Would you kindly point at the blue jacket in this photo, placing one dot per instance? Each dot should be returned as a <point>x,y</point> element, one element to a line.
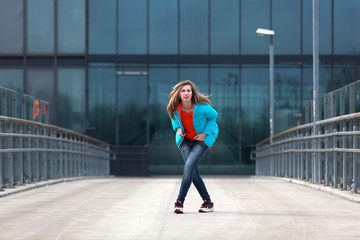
<point>204,120</point>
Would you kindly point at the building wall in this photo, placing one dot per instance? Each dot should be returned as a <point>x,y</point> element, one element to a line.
<point>107,67</point>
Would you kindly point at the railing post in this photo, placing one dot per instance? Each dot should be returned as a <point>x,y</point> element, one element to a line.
<point>51,156</point>
<point>319,155</point>
<point>9,169</point>
<point>14,104</point>
<point>66,156</point>
<point>355,159</point>
<point>44,155</point>
<point>61,156</point>
<point>35,155</point>
<point>307,156</point>
<point>19,167</point>
<point>1,156</point>
<point>3,110</point>
<point>302,155</point>
<point>344,158</point>
<point>335,160</point>
<point>326,175</point>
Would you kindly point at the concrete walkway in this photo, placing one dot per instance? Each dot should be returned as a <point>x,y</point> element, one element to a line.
<point>142,208</point>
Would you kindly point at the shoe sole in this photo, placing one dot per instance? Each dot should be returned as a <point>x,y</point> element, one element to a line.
<point>178,210</point>
<point>205,210</point>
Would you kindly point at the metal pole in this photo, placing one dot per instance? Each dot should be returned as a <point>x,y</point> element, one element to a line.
<point>271,88</point>
<point>315,79</point>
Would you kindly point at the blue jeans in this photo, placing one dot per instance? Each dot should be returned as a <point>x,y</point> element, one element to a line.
<point>192,153</point>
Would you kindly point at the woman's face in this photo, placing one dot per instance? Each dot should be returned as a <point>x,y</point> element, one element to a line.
<point>186,93</point>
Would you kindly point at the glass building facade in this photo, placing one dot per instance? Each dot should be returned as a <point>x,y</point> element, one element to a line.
<point>107,66</point>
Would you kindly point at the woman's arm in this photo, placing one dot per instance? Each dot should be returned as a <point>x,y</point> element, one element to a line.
<point>211,116</point>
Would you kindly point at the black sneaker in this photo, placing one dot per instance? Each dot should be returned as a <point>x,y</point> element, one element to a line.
<point>179,207</point>
<point>207,206</point>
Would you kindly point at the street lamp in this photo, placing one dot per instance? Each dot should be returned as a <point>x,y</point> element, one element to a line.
<point>266,32</point>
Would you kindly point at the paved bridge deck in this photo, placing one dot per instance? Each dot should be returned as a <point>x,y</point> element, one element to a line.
<point>142,208</point>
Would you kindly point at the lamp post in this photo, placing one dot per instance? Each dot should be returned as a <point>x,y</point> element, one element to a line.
<point>266,32</point>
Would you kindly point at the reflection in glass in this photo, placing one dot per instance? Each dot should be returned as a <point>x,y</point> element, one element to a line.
<point>198,75</point>
<point>345,74</point>
<point>325,82</point>
<point>132,26</point>
<point>71,26</point>
<point>132,110</point>
<point>163,27</point>
<point>254,108</point>
<point>102,27</point>
<point>194,27</point>
<point>225,97</point>
<point>224,27</point>
<point>164,156</point>
<point>102,97</point>
<point>252,18</point>
<point>324,27</point>
<point>71,96</point>
<point>287,97</point>
<point>12,78</point>
<point>40,26</point>
<point>11,11</point>
<point>42,86</point>
<point>346,30</point>
<point>286,24</point>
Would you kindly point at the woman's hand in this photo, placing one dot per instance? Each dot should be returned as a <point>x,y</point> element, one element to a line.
<point>180,132</point>
<point>200,137</point>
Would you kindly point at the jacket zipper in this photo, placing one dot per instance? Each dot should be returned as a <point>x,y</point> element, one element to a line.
<point>214,135</point>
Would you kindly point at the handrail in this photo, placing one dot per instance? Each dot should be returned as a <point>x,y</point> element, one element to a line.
<point>34,151</point>
<point>329,156</point>
<point>49,126</point>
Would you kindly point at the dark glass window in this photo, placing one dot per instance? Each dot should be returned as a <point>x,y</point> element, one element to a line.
<point>346,28</point>
<point>224,24</point>
<point>12,78</point>
<point>252,18</point>
<point>132,109</point>
<point>42,87</point>
<point>286,24</point>
<point>194,27</point>
<point>287,98</point>
<point>197,74</point>
<point>163,27</point>
<point>324,27</point>
<point>40,26</point>
<point>71,26</point>
<point>325,82</point>
<point>326,85</point>
<point>164,156</point>
<point>102,102</point>
<point>132,27</point>
<point>71,110</point>
<point>11,23</point>
<point>225,97</point>
<point>344,74</point>
<point>255,110</point>
<point>102,27</point>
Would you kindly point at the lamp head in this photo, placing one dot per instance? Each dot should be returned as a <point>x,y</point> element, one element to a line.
<point>262,32</point>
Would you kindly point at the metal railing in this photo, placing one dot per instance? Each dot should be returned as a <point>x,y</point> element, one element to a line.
<point>24,106</point>
<point>32,151</point>
<point>323,152</point>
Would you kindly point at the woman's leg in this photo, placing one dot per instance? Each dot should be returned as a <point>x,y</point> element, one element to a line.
<point>192,153</point>
<point>200,185</point>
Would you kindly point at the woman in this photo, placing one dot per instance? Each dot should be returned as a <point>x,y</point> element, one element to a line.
<point>194,121</point>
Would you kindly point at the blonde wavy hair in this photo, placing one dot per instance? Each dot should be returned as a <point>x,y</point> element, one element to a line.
<point>175,99</point>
